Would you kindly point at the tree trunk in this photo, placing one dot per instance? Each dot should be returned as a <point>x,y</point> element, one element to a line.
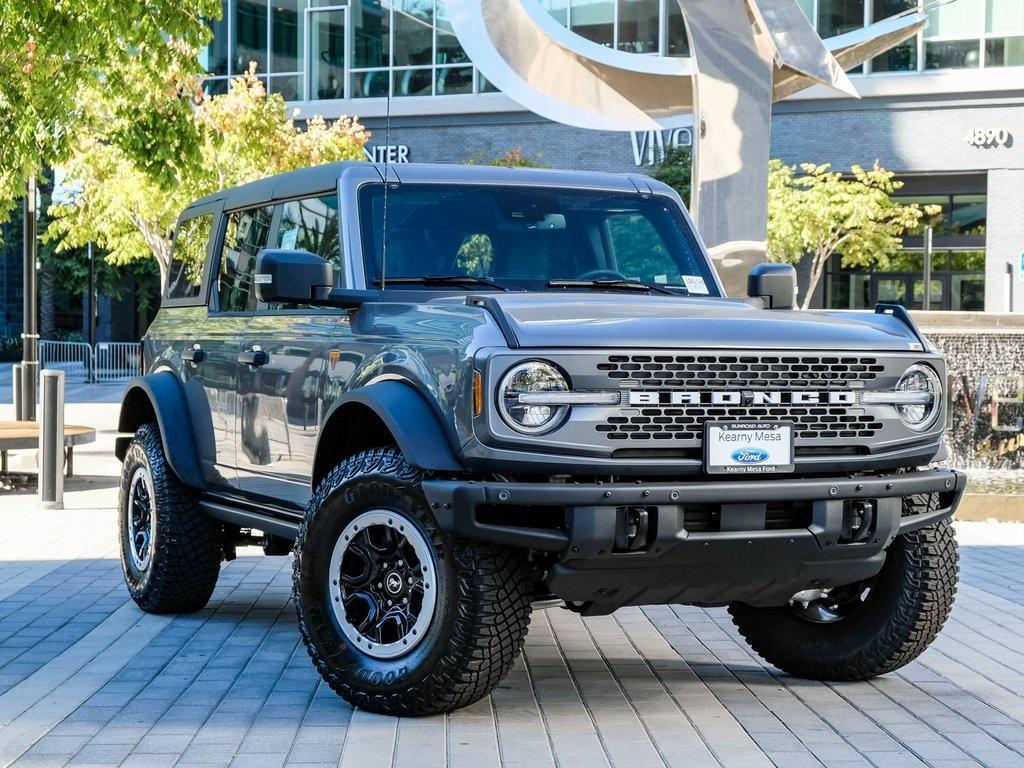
<point>817,269</point>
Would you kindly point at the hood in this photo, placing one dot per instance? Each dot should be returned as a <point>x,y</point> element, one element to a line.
<point>629,321</point>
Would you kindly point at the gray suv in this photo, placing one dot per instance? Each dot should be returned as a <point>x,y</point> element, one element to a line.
<point>459,392</point>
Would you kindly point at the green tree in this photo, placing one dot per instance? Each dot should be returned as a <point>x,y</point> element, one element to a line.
<point>57,55</point>
<point>676,170</point>
<point>128,205</point>
<point>820,212</point>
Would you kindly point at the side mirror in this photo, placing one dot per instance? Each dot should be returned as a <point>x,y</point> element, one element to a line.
<point>292,277</point>
<point>774,283</point>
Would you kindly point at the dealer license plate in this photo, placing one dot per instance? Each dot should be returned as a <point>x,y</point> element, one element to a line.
<point>748,448</point>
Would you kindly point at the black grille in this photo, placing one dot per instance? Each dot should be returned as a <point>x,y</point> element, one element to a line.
<point>687,422</point>
<point>742,371</point>
<point>747,372</point>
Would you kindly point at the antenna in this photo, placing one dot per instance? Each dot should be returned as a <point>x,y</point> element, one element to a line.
<point>387,183</point>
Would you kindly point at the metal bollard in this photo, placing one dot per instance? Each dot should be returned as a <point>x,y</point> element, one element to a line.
<point>16,388</point>
<point>28,391</point>
<point>51,441</point>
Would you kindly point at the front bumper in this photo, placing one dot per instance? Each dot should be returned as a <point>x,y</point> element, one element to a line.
<point>743,558</point>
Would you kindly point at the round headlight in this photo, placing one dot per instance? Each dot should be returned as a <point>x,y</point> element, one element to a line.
<point>923,381</point>
<point>534,377</point>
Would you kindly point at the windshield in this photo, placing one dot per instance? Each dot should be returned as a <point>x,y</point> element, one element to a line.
<point>530,238</point>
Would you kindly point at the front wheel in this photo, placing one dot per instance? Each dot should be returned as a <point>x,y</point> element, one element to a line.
<point>868,629</point>
<point>398,618</point>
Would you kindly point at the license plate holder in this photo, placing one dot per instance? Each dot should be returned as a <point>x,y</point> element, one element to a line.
<point>742,448</point>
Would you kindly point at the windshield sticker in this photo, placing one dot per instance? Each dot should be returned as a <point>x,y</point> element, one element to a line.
<point>695,284</point>
<point>661,279</point>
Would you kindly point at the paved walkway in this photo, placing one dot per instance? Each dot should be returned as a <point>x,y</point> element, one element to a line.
<point>87,679</point>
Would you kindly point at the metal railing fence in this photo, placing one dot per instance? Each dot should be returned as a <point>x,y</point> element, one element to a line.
<point>109,361</point>
<point>73,357</point>
<point>115,360</point>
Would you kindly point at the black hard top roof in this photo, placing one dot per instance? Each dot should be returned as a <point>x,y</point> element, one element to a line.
<point>324,178</point>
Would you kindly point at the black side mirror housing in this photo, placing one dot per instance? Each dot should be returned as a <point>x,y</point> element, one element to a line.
<point>291,277</point>
<point>775,284</point>
<point>301,277</point>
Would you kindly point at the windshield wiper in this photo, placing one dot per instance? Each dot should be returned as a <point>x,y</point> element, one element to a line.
<point>445,280</point>
<point>624,285</point>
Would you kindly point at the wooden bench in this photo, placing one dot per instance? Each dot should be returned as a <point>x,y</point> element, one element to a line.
<point>24,435</point>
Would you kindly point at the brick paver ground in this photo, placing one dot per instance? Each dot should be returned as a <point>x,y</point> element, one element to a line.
<point>87,679</point>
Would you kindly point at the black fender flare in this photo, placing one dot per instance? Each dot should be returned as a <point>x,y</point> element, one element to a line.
<point>162,396</point>
<point>412,422</point>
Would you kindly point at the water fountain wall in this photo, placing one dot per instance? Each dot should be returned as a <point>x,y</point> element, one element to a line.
<point>986,391</point>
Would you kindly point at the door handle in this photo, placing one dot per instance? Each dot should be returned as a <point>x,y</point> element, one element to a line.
<point>255,357</point>
<point>193,354</point>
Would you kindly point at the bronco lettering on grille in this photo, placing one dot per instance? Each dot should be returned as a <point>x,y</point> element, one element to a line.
<point>639,397</point>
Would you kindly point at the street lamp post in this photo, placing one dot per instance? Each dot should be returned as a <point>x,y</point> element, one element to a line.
<point>30,334</point>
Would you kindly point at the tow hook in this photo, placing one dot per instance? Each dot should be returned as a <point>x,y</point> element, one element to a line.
<point>858,521</point>
<point>632,525</point>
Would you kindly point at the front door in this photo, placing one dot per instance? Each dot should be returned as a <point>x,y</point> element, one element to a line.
<point>280,397</point>
<point>325,52</point>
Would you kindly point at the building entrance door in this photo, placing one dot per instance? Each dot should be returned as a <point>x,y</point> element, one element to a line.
<point>325,52</point>
<point>908,290</point>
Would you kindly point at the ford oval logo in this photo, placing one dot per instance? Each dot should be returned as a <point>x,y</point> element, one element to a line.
<point>750,455</point>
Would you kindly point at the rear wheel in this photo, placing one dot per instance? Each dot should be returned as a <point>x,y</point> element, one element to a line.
<point>170,550</point>
<point>399,618</point>
<point>870,628</point>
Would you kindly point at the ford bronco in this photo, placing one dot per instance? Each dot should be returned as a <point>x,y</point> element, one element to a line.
<point>459,392</point>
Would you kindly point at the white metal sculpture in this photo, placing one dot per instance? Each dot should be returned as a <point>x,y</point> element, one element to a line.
<point>745,54</point>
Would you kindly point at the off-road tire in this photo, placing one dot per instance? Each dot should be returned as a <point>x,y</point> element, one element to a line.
<point>481,615</point>
<point>187,545</point>
<point>909,602</point>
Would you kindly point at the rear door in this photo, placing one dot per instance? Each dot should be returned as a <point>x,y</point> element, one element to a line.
<point>244,233</point>
<point>197,335</point>
<point>280,402</point>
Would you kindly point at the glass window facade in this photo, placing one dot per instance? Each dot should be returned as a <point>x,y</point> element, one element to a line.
<point>957,269</point>
<point>356,49</point>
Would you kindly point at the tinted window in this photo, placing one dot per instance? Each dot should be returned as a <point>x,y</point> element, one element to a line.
<point>185,273</point>
<point>524,237</point>
<point>312,225</point>
<point>245,236</point>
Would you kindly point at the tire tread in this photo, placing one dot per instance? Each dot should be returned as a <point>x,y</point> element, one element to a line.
<point>492,614</point>
<point>929,589</point>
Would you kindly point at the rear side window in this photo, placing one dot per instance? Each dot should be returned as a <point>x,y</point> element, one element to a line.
<point>312,225</point>
<point>246,235</point>
<point>185,273</point>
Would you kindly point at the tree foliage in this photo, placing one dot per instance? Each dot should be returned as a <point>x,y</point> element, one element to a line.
<point>127,203</point>
<point>57,55</point>
<point>820,212</point>
<point>513,158</point>
<point>676,170</point>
